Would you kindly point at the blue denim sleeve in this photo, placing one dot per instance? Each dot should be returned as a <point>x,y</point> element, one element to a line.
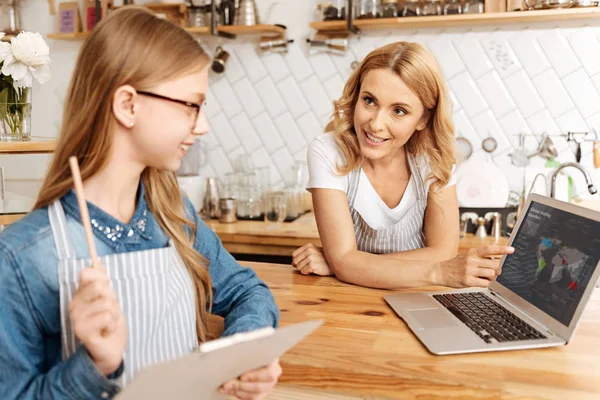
<point>239,296</point>
<point>25,372</point>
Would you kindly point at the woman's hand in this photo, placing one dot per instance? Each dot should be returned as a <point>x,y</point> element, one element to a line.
<point>471,268</point>
<point>254,385</point>
<point>98,321</point>
<point>310,259</point>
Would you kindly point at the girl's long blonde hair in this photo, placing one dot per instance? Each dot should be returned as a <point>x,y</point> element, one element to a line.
<point>420,71</point>
<point>130,47</point>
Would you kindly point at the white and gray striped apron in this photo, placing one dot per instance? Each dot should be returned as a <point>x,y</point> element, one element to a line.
<point>406,234</point>
<point>155,292</point>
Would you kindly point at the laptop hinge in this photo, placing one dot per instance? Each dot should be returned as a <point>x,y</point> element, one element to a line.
<point>505,300</point>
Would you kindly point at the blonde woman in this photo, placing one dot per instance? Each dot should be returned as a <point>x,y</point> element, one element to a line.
<point>382,181</point>
<point>133,108</point>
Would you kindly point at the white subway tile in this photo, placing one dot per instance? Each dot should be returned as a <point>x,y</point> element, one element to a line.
<point>224,133</point>
<point>486,125</point>
<point>572,121</point>
<point>248,97</point>
<point>553,93</point>
<point>219,162</point>
<point>559,53</point>
<point>212,106</point>
<point>334,87</point>
<point>267,132</point>
<point>594,122</point>
<point>464,128</point>
<point>270,96</point>
<point>447,57</point>
<point>309,126</point>
<point>596,80</point>
<point>468,94</point>
<point>501,54</point>
<point>289,90</point>
<point>512,125</point>
<point>210,139</point>
<point>586,45</point>
<point>530,53</point>
<point>322,65</point>
<point>524,93</point>
<point>343,64</point>
<point>495,93</point>
<point>301,155</point>
<point>245,132</point>
<point>455,103</point>
<point>252,64</point>
<point>543,122</point>
<point>225,95</point>
<point>283,160</point>
<point>234,70</point>
<point>275,66</point>
<point>473,56</point>
<point>261,158</point>
<point>297,63</point>
<point>316,96</point>
<point>290,133</point>
<point>582,91</point>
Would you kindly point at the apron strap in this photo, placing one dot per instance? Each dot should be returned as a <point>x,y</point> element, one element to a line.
<point>414,170</point>
<point>58,223</point>
<point>353,186</point>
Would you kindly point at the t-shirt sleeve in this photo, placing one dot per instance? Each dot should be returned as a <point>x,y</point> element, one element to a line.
<point>323,157</point>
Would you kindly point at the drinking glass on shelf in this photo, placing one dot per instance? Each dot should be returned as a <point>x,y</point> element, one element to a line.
<point>275,208</point>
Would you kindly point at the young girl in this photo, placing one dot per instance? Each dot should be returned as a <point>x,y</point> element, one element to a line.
<point>382,180</point>
<point>69,331</point>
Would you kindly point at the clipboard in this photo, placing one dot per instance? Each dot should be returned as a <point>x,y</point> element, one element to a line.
<point>199,374</point>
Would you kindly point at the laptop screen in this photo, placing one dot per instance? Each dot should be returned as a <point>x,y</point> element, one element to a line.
<point>556,253</point>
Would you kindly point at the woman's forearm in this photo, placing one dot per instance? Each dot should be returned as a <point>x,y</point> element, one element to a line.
<point>424,254</point>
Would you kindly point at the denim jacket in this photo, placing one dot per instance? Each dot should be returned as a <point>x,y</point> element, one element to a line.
<point>30,343</point>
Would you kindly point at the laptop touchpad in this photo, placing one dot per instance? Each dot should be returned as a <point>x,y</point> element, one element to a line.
<point>432,318</point>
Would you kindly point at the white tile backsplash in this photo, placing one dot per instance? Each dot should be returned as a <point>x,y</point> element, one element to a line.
<point>283,160</point>
<point>496,94</point>
<point>559,53</point>
<point>586,45</point>
<point>245,131</point>
<point>293,97</point>
<point>583,92</point>
<point>290,133</point>
<point>223,131</point>
<point>270,96</point>
<point>248,97</point>
<point>468,94</point>
<point>267,132</point>
<point>316,96</point>
<point>540,76</point>
<point>227,97</point>
<point>553,93</point>
<point>530,53</point>
<point>524,93</point>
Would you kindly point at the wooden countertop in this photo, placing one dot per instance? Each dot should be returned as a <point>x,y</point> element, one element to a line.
<point>258,237</point>
<point>366,351</point>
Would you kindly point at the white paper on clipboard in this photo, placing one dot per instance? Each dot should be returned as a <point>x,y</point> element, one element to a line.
<point>199,375</point>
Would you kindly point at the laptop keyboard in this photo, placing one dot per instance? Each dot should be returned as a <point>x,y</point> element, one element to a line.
<point>488,319</point>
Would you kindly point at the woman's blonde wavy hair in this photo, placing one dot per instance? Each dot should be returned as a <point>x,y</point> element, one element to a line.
<point>421,73</point>
<point>130,47</point>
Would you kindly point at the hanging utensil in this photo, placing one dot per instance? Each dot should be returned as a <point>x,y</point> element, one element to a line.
<point>596,150</point>
<point>546,149</point>
<point>464,145</point>
<point>519,157</point>
<point>572,137</point>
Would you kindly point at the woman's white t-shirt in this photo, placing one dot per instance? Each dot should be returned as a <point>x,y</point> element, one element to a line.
<point>323,157</point>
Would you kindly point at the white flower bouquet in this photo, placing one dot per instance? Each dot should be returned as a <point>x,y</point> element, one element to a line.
<point>22,61</point>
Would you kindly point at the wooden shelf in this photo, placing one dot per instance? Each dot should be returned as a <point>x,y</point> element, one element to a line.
<point>234,29</point>
<point>511,17</point>
<point>35,146</point>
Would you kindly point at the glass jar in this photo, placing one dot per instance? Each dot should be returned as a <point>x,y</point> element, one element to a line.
<point>473,7</point>
<point>369,9</point>
<point>412,8</point>
<point>453,7</point>
<point>432,7</point>
<point>333,10</point>
<point>390,9</point>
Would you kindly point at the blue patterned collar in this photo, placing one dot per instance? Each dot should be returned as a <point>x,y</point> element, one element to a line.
<point>107,228</point>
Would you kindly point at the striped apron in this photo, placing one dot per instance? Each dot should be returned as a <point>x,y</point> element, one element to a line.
<point>154,290</point>
<point>406,234</point>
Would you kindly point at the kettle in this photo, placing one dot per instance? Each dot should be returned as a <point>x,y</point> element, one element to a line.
<point>247,14</point>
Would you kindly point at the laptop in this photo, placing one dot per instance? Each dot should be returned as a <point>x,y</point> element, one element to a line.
<point>537,300</point>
